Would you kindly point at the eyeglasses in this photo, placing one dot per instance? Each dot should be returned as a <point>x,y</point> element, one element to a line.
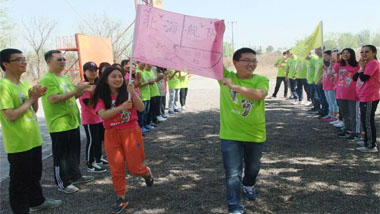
<point>19,59</point>
<point>61,59</point>
<point>248,61</point>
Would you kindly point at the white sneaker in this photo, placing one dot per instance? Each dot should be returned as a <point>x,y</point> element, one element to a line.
<point>160,119</point>
<point>340,124</point>
<point>334,122</point>
<point>184,107</point>
<point>84,179</point>
<point>96,168</point>
<point>69,189</point>
<point>47,204</point>
<point>366,149</point>
<point>360,143</point>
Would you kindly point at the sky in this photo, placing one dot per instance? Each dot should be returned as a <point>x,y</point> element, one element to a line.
<point>255,22</point>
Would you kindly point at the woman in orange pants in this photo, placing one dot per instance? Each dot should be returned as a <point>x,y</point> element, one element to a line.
<point>122,139</point>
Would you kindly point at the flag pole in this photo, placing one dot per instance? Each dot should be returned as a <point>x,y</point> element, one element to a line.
<point>322,36</point>
<point>131,58</point>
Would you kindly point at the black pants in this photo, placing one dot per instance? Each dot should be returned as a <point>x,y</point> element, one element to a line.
<point>182,96</point>
<point>154,110</point>
<point>95,135</point>
<point>301,84</point>
<point>162,104</point>
<point>367,117</point>
<point>279,80</point>
<point>25,173</point>
<point>66,155</point>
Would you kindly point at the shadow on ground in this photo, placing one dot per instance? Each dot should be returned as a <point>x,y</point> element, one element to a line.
<point>305,169</point>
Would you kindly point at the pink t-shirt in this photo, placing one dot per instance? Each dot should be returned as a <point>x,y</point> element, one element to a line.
<point>329,78</point>
<point>368,91</point>
<point>346,87</point>
<point>88,113</point>
<point>124,119</point>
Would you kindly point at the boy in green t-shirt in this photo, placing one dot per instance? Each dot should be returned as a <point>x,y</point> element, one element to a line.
<point>291,74</point>
<point>21,135</point>
<point>174,86</point>
<point>154,96</point>
<point>184,87</point>
<point>281,65</point>
<point>144,87</point>
<point>63,120</point>
<point>242,126</point>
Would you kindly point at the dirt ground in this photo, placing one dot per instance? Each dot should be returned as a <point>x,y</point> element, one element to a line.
<point>305,167</point>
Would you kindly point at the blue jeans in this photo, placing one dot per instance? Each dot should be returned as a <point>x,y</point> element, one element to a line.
<point>331,100</point>
<point>145,114</point>
<point>322,99</point>
<point>234,153</point>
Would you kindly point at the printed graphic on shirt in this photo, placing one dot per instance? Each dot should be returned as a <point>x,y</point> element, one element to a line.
<point>125,116</point>
<point>245,104</point>
<point>63,85</point>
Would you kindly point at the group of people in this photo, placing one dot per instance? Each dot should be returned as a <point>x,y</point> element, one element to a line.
<point>341,89</point>
<point>117,104</point>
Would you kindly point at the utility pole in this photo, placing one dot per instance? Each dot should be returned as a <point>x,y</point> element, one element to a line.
<point>232,37</point>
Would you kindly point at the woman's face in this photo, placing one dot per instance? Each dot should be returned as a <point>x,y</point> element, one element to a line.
<point>91,74</point>
<point>367,54</point>
<point>115,79</point>
<point>346,55</point>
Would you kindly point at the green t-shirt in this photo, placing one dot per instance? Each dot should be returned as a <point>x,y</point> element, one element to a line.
<point>184,80</point>
<point>301,69</point>
<point>145,90</point>
<point>281,67</point>
<point>62,116</point>
<point>318,70</point>
<point>310,66</point>
<point>174,83</point>
<point>242,119</point>
<point>24,133</point>
<point>154,91</point>
<point>292,65</point>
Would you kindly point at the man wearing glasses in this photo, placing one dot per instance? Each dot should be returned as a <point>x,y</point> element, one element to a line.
<point>242,126</point>
<point>21,135</point>
<point>63,120</point>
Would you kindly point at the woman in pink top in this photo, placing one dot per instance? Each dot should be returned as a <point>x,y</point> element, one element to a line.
<point>122,139</point>
<point>346,93</point>
<point>92,123</point>
<point>368,86</point>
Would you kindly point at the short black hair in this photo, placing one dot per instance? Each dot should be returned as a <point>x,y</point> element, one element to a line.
<point>50,53</point>
<point>372,48</point>
<point>328,52</point>
<point>238,53</point>
<point>5,55</point>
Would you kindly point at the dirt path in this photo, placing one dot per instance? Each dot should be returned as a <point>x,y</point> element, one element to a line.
<point>305,167</point>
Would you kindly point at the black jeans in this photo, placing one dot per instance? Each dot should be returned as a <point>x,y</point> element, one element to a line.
<point>293,88</point>
<point>66,156</point>
<point>279,80</point>
<point>95,135</point>
<point>301,84</point>
<point>162,104</point>
<point>25,173</point>
<point>367,117</point>
<point>182,96</point>
<point>154,110</point>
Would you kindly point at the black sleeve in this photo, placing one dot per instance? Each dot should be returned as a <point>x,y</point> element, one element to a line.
<point>364,77</point>
<point>355,77</point>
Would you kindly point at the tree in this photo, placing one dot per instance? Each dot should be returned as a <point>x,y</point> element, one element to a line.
<point>364,37</point>
<point>269,49</point>
<point>102,26</point>
<point>330,44</point>
<point>347,40</point>
<point>227,49</point>
<point>376,40</point>
<point>5,27</point>
<point>37,33</point>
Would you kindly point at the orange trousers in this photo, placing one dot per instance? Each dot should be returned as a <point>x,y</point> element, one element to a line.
<point>124,146</point>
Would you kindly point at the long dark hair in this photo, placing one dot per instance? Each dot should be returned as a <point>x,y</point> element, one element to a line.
<point>352,60</point>
<point>101,65</point>
<point>103,91</point>
<point>373,49</point>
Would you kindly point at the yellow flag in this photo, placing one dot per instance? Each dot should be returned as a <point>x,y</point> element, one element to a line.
<point>157,3</point>
<point>313,41</point>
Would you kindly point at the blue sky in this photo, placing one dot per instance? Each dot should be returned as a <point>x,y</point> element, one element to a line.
<point>256,22</point>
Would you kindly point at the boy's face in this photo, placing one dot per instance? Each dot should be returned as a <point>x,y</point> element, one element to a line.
<point>246,64</point>
<point>57,62</point>
<point>17,63</point>
<point>327,57</point>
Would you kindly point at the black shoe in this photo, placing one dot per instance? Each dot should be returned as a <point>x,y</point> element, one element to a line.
<point>120,205</point>
<point>149,178</point>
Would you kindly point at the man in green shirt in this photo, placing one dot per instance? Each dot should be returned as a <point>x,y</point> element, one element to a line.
<point>174,87</point>
<point>145,97</point>
<point>301,74</point>
<point>21,135</point>
<point>63,120</point>
<point>281,65</point>
<point>242,126</point>
<point>291,74</point>
<point>184,84</point>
